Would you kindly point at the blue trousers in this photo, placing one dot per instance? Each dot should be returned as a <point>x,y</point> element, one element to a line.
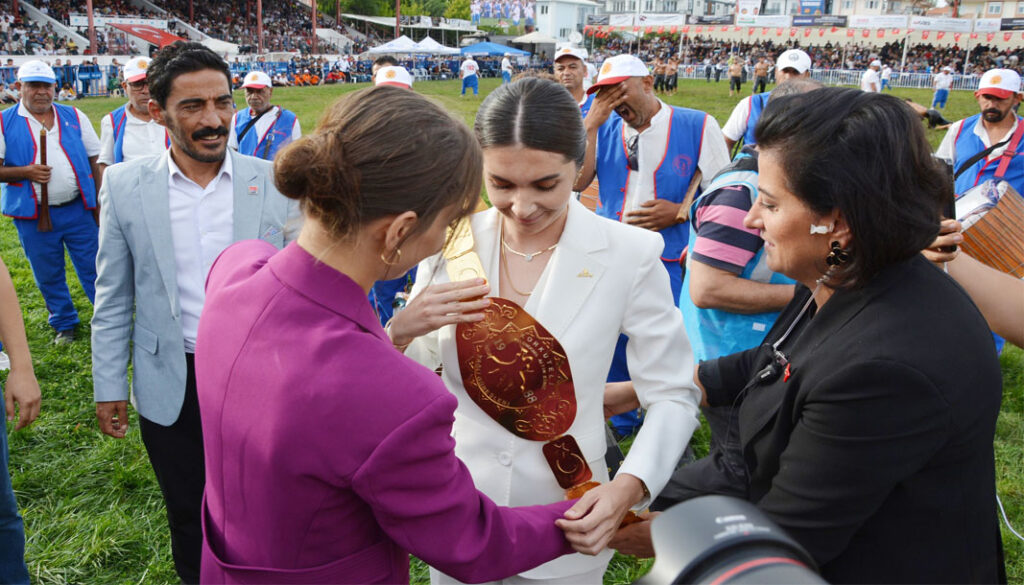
<point>506,77</point>
<point>75,229</point>
<point>12,530</point>
<point>470,81</point>
<point>939,101</point>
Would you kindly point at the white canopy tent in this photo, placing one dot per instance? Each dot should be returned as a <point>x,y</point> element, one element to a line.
<point>429,45</point>
<point>402,44</point>
<point>535,38</point>
<point>220,47</point>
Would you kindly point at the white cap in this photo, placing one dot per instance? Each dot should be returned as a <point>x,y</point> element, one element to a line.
<point>617,69</point>
<point>794,59</point>
<point>257,80</point>
<point>998,82</point>
<point>391,75</point>
<point>36,71</point>
<point>947,68</point>
<point>875,63</point>
<point>135,69</point>
<point>578,53</point>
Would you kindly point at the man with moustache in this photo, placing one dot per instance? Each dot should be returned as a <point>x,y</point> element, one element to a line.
<point>129,132</point>
<point>262,129</point>
<point>571,70</point>
<point>165,219</point>
<point>71,176</point>
<point>998,96</point>
<point>792,64</point>
<point>646,154</point>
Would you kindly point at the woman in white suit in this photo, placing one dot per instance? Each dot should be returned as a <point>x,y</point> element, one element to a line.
<point>586,280</point>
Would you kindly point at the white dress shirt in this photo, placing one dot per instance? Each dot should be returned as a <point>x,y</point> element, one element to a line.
<point>63,186</point>
<point>262,126</point>
<point>651,152</point>
<point>141,138</point>
<point>202,226</point>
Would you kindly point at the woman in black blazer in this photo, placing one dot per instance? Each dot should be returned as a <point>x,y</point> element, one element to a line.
<point>867,417</point>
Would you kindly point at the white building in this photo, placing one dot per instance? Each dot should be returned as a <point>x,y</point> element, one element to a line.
<point>560,18</point>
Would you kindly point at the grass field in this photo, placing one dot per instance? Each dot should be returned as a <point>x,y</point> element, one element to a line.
<point>92,508</point>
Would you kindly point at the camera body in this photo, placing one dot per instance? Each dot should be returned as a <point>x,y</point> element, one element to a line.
<point>720,540</point>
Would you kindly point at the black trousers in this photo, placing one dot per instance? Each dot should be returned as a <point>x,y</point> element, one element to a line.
<point>176,454</point>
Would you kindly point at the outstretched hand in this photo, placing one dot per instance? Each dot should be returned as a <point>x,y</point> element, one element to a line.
<point>944,248</point>
<point>635,539</point>
<point>593,520</point>
<point>439,305</point>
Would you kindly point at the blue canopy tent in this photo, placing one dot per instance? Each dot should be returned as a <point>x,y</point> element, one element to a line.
<point>492,49</point>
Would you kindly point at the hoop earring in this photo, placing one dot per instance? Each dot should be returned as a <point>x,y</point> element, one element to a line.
<point>837,256</point>
<point>397,255</point>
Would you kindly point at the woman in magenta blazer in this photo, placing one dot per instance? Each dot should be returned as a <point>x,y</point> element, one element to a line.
<point>329,455</point>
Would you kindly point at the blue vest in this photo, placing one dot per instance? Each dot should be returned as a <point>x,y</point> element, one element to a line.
<point>757,104</point>
<point>266,146</point>
<point>713,332</point>
<point>671,179</point>
<point>968,144</point>
<point>118,123</point>
<point>19,199</point>
<point>585,108</point>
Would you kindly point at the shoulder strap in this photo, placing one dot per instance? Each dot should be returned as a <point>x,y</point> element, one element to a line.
<point>970,162</point>
<point>250,124</point>
<point>1011,150</point>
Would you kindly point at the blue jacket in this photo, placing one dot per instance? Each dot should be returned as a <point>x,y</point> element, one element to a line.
<point>265,146</point>
<point>19,199</point>
<point>671,179</point>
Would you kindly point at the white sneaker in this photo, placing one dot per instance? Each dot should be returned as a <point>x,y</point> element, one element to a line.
<point>5,361</point>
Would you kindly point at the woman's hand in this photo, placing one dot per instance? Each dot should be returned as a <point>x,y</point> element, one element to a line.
<point>619,397</point>
<point>439,305</point>
<point>592,522</point>
<point>949,236</point>
<point>635,539</point>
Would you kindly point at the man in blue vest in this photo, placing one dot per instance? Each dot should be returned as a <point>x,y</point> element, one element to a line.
<point>998,95</point>
<point>71,176</point>
<point>646,155</point>
<point>262,129</point>
<point>791,64</point>
<point>571,70</point>
<point>129,132</point>
<point>650,160</point>
<point>968,144</point>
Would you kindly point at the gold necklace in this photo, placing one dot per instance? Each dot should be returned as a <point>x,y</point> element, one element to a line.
<point>527,257</point>
<point>508,276</point>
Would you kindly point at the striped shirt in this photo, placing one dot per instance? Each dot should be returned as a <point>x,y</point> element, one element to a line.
<point>722,241</point>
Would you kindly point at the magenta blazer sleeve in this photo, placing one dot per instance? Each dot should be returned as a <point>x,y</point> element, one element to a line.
<point>424,498</point>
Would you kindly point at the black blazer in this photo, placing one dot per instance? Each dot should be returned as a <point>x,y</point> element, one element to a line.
<point>875,449</point>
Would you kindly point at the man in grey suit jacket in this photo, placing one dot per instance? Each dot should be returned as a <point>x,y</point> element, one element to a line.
<point>164,220</point>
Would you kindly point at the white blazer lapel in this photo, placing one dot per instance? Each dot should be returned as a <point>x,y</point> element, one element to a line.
<point>156,209</point>
<point>250,192</point>
<point>574,271</point>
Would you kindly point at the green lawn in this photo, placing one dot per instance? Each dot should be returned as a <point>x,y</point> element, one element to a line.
<point>92,508</point>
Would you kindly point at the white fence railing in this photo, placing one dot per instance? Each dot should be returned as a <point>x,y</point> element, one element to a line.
<point>846,77</point>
